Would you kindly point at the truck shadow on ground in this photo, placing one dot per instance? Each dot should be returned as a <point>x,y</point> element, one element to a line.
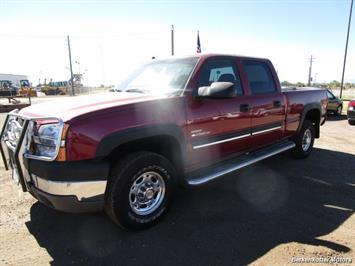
<point>233,221</point>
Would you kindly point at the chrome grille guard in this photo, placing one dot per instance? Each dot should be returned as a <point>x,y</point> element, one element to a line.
<point>17,135</point>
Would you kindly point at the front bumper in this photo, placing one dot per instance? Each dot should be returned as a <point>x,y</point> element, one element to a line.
<point>70,186</point>
<point>67,203</point>
<point>65,186</point>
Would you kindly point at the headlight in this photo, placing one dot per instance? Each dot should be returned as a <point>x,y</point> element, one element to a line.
<point>351,108</point>
<point>46,140</point>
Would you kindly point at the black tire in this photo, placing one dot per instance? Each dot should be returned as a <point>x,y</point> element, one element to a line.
<point>120,192</point>
<point>339,110</point>
<point>351,122</point>
<point>301,151</point>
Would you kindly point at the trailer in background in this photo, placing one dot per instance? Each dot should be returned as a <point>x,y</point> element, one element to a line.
<point>14,89</point>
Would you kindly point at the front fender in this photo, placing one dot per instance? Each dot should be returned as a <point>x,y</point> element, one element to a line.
<point>115,139</point>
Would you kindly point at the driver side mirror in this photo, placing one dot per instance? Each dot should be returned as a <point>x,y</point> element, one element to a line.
<point>218,90</point>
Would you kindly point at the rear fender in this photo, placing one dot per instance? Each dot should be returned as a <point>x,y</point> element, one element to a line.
<point>309,107</point>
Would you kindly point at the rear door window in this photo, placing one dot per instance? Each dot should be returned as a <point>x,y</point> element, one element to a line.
<point>259,77</point>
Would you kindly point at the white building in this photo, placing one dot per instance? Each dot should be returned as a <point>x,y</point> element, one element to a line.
<point>16,80</point>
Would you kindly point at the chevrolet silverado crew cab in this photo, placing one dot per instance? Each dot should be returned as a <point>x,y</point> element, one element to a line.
<point>184,121</point>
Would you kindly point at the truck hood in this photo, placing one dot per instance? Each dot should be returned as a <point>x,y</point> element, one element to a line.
<point>70,107</point>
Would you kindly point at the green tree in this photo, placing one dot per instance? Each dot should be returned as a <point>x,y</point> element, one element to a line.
<point>334,84</point>
<point>300,84</point>
<point>285,83</point>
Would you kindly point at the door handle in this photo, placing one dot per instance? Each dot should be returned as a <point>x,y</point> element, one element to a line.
<point>244,107</point>
<point>277,103</point>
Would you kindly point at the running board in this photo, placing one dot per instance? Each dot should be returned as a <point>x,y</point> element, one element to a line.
<point>200,177</point>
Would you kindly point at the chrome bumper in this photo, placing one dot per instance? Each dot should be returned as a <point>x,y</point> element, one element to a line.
<point>81,190</point>
<point>14,158</point>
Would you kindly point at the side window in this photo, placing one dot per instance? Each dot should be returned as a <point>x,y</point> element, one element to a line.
<point>215,70</point>
<point>259,77</point>
<point>330,96</point>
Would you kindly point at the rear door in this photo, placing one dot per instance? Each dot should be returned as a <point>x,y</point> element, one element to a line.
<point>267,102</point>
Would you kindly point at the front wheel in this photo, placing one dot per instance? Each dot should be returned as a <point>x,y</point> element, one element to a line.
<point>304,141</point>
<point>140,190</point>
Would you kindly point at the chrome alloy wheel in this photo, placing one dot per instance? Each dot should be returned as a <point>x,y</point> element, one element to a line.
<point>147,193</point>
<point>307,139</point>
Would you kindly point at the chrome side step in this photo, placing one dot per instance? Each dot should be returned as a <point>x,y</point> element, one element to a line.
<point>200,177</point>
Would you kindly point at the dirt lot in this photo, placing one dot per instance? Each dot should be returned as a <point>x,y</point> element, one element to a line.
<point>273,213</point>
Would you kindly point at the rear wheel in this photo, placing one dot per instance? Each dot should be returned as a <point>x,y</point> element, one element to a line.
<point>140,190</point>
<point>351,122</point>
<point>304,140</point>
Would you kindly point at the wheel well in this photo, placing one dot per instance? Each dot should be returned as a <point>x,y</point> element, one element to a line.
<point>313,115</point>
<point>164,145</point>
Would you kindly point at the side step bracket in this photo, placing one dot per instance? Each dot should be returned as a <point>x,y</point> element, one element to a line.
<point>200,177</point>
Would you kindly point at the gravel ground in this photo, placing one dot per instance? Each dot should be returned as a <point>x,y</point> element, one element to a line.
<point>272,213</point>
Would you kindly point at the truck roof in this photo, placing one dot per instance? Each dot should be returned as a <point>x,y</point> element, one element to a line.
<point>207,55</point>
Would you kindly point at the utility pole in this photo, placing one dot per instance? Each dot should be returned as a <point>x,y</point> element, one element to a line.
<point>311,60</point>
<point>172,39</point>
<point>346,49</point>
<point>102,66</point>
<point>71,69</point>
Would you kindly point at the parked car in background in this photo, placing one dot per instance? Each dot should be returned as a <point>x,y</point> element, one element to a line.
<point>351,112</point>
<point>335,104</point>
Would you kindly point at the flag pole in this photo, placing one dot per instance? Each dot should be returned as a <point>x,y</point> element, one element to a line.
<point>172,39</point>
<point>198,48</point>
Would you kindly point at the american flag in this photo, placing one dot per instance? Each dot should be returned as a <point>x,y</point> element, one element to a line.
<point>198,43</point>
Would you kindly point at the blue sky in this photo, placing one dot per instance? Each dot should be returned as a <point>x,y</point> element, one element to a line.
<point>292,27</point>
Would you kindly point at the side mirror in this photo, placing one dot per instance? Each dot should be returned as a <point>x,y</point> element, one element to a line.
<point>218,90</point>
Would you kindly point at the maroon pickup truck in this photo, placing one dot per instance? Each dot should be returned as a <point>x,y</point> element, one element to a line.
<point>184,121</point>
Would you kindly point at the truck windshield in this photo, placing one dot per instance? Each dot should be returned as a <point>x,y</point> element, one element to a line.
<point>160,77</point>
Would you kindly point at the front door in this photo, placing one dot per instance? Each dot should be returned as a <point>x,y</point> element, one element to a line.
<point>218,127</point>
